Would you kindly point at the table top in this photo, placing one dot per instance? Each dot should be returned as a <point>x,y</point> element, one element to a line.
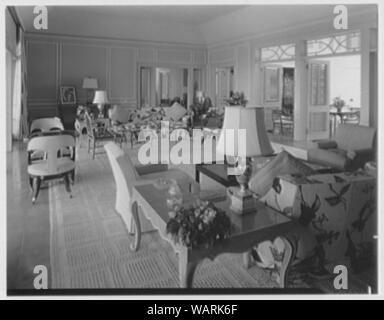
<point>262,219</point>
<point>346,112</point>
<point>218,172</point>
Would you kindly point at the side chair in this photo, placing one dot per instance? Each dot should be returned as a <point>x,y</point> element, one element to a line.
<point>53,166</point>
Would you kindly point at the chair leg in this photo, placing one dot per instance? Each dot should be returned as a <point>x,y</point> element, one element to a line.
<point>73,177</point>
<point>36,188</point>
<point>31,183</point>
<point>94,149</point>
<point>68,184</point>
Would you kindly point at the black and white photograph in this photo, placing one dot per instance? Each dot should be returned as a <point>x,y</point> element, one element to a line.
<point>192,148</point>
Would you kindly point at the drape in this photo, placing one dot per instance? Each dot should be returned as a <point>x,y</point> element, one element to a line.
<point>19,101</point>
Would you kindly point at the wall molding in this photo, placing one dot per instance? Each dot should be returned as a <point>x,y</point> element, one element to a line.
<point>111,41</point>
<point>185,57</point>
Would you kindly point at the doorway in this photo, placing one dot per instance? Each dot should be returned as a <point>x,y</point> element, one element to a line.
<point>334,94</point>
<point>278,87</point>
<point>224,85</point>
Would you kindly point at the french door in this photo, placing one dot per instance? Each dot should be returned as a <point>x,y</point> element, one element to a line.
<point>272,91</point>
<point>223,88</point>
<point>318,99</point>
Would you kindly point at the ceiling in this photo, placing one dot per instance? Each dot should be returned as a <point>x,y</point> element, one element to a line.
<point>194,15</point>
<point>193,24</point>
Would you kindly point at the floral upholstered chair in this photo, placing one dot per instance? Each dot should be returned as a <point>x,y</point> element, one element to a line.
<point>339,210</point>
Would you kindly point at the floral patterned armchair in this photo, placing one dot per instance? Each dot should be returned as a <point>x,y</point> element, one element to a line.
<point>338,209</point>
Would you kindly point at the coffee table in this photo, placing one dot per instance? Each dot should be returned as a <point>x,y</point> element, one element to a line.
<point>217,172</point>
<point>248,231</point>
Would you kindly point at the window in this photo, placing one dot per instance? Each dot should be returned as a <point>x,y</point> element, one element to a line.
<point>278,53</point>
<point>346,43</point>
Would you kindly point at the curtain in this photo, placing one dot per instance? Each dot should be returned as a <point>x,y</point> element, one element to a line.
<point>19,101</point>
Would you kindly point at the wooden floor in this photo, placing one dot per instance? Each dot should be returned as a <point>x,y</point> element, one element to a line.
<point>28,226</point>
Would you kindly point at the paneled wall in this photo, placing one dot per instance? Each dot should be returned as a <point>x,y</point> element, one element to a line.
<point>238,56</point>
<point>56,61</point>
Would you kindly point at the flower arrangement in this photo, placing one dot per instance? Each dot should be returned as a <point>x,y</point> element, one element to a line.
<point>237,99</point>
<point>198,226</point>
<point>338,103</point>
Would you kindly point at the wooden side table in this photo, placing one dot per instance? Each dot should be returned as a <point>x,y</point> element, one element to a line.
<point>247,231</point>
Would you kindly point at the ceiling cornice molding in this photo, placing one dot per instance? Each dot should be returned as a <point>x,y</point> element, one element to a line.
<point>365,18</point>
<point>116,41</point>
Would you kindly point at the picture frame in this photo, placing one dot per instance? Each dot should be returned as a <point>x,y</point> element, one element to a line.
<point>68,95</point>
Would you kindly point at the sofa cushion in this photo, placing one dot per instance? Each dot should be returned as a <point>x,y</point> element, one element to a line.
<point>284,163</point>
<point>335,158</point>
<point>327,144</point>
<point>175,113</point>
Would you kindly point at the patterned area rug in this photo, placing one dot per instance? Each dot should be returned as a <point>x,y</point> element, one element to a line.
<point>90,245</point>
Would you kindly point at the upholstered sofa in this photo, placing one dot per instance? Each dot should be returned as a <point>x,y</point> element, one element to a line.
<point>339,210</point>
<point>351,148</point>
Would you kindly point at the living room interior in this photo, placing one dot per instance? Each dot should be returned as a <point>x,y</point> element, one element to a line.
<point>83,93</point>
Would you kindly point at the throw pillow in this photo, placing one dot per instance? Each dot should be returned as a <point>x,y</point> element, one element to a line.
<point>175,112</point>
<point>283,164</point>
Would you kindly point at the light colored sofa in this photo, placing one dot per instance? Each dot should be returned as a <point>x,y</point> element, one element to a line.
<point>351,148</point>
<point>127,176</point>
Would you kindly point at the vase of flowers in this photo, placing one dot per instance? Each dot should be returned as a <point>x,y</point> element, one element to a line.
<point>237,99</point>
<point>198,226</point>
<point>338,103</point>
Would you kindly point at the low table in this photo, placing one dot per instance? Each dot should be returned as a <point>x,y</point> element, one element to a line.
<point>248,230</point>
<point>217,172</point>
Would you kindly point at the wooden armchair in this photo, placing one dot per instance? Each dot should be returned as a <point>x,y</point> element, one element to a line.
<point>96,133</point>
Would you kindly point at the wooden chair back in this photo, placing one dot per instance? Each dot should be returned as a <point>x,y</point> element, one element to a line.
<point>51,145</point>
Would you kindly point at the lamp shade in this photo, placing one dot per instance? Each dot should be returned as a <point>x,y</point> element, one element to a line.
<point>256,142</point>
<point>199,94</point>
<point>100,97</point>
<point>90,83</point>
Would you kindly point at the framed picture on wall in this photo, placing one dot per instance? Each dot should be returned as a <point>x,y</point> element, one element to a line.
<point>67,95</point>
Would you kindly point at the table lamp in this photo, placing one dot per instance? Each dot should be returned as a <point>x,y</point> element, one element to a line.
<point>200,96</point>
<point>89,84</point>
<point>256,143</point>
<point>100,99</point>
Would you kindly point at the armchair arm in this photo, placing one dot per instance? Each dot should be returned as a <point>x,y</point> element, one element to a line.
<point>151,168</point>
<point>327,144</point>
<point>364,152</point>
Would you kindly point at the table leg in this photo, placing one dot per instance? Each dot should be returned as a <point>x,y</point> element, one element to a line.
<point>289,254</point>
<point>247,259</point>
<point>197,174</point>
<point>186,269</point>
<point>137,229</point>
